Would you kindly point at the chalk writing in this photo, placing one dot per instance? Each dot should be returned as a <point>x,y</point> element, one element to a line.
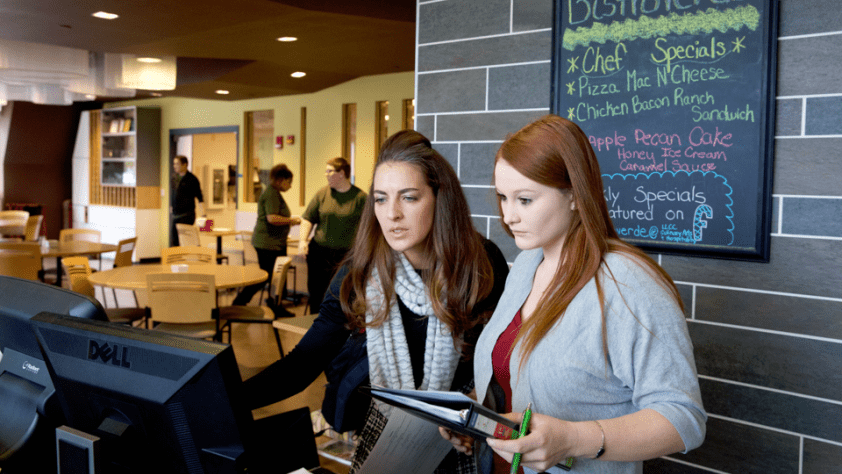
<point>645,27</point>
<point>669,92</point>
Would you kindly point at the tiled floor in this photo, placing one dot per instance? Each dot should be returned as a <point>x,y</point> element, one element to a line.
<point>255,348</point>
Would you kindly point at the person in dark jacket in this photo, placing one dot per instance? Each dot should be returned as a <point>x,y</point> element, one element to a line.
<point>185,190</point>
<point>419,283</point>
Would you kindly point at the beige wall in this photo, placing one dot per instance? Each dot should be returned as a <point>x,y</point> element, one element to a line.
<point>324,134</point>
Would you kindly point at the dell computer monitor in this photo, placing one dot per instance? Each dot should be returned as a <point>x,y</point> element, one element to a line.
<point>27,414</point>
<point>157,402</point>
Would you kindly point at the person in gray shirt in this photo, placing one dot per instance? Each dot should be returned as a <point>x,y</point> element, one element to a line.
<point>589,329</point>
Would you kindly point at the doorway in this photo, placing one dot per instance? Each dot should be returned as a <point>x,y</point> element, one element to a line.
<point>213,156</point>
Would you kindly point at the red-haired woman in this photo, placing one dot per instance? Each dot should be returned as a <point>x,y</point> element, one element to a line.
<point>589,329</point>
<point>420,282</point>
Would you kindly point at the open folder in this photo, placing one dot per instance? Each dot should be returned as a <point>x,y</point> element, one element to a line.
<point>453,410</point>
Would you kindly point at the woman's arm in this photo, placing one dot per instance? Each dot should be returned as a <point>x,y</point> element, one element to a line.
<point>642,435</point>
<point>277,219</point>
<point>298,369</point>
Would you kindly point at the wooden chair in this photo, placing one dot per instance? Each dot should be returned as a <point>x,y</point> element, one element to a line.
<point>259,314</point>
<point>123,258</point>
<point>21,260</point>
<point>279,276</point>
<point>184,304</point>
<point>33,228</point>
<point>189,235</point>
<point>14,215</point>
<point>87,235</point>
<point>250,255</point>
<point>78,270</point>
<point>16,219</point>
<point>188,254</point>
<point>249,252</point>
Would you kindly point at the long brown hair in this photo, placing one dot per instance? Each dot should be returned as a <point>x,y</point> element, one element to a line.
<point>460,272</point>
<point>555,152</point>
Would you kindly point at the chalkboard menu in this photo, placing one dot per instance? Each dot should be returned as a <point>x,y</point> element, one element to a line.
<point>677,98</point>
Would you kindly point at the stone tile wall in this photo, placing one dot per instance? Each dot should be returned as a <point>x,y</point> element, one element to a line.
<point>767,337</point>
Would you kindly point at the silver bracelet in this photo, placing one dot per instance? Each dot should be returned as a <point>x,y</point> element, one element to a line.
<point>602,447</point>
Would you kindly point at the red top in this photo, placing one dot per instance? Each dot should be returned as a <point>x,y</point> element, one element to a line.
<point>500,357</point>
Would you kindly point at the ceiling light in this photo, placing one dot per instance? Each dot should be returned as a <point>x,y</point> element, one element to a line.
<point>222,92</point>
<point>149,60</point>
<point>287,39</point>
<point>105,15</point>
<point>125,71</point>
<point>156,94</point>
<point>298,74</point>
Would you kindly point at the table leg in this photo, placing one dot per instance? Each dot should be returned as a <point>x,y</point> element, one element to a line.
<point>59,271</point>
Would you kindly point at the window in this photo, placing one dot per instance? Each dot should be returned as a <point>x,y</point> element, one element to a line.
<point>260,127</point>
<point>381,124</point>
<point>408,115</point>
<point>349,134</point>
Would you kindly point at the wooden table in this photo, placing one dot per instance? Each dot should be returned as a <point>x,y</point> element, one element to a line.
<point>73,248</point>
<point>219,232</point>
<point>134,277</point>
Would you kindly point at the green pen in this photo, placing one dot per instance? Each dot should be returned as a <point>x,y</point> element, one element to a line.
<point>524,426</point>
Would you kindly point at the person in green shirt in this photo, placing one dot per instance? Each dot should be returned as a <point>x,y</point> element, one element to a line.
<point>335,211</point>
<point>271,230</point>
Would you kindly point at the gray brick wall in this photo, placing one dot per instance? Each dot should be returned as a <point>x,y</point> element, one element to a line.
<point>768,337</point>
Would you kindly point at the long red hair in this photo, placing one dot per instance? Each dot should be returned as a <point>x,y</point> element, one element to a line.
<point>555,152</point>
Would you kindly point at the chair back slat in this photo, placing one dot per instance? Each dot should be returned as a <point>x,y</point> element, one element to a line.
<point>87,235</point>
<point>181,298</point>
<point>187,254</point>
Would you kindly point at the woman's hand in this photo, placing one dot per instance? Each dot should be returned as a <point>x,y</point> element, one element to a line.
<point>549,442</point>
<point>463,444</point>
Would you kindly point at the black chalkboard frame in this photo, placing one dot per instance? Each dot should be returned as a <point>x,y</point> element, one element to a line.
<point>759,250</point>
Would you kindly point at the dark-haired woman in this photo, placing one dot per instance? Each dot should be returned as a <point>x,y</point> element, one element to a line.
<point>419,281</point>
<point>271,229</point>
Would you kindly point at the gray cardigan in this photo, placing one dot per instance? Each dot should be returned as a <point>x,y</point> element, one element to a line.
<point>650,356</point>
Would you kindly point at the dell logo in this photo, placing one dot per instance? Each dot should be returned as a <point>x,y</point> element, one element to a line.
<point>117,355</point>
<point>30,368</point>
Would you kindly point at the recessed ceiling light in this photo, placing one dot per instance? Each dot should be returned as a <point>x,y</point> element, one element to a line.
<point>298,74</point>
<point>222,92</point>
<point>287,39</point>
<point>149,60</point>
<point>105,15</point>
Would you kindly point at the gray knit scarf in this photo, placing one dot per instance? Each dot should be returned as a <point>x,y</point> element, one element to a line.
<point>388,352</point>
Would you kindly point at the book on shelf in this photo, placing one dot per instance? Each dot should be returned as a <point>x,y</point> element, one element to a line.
<point>453,410</point>
<point>127,125</point>
<point>113,126</point>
